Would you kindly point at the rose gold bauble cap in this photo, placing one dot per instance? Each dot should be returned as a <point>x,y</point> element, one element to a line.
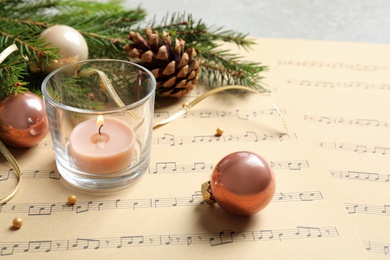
<point>242,183</point>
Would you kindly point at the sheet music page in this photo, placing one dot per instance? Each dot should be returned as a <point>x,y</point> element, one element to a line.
<point>330,200</point>
<point>340,94</point>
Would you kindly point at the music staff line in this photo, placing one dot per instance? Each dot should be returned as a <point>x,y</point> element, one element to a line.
<point>357,148</point>
<point>238,113</point>
<point>221,238</point>
<point>346,121</point>
<point>248,136</point>
<point>173,167</point>
<point>173,140</point>
<point>361,176</point>
<point>333,65</point>
<point>377,247</point>
<point>155,168</point>
<point>332,84</point>
<point>48,208</point>
<point>355,208</point>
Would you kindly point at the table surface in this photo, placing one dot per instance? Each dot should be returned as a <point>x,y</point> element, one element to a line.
<point>350,20</point>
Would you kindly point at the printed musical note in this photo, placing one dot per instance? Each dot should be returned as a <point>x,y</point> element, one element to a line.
<point>364,122</point>
<point>83,207</point>
<point>212,239</point>
<point>47,209</point>
<point>161,114</point>
<point>39,210</point>
<point>39,174</point>
<point>357,148</point>
<point>309,231</point>
<point>167,139</point>
<point>381,150</point>
<point>248,136</point>
<point>164,166</point>
<point>356,208</point>
<point>224,237</point>
<point>84,243</point>
<point>377,247</point>
<point>168,240</point>
<point>129,240</point>
<point>55,175</point>
<point>333,65</point>
<point>360,149</point>
<point>4,175</point>
<point>324,119</point>
<point>39,245</point>
<point>251,136</point>
<point>43,145</point>
<point>196,197</point>
<point>173,167</point>
<point>266,234</point>
<point>339,84</point>
<point>361,176</point>
<point>8,250</point>
<point>294,166</point>
<point>189,240</point>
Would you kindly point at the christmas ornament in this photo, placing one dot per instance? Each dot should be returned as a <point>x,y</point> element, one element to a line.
<point>219,131</point>
<point>17,223</point>
<point>242,183</point>
<point>175,68</point>
<point>23,120</point>
<point>71,44</point>
<point>72,199</point>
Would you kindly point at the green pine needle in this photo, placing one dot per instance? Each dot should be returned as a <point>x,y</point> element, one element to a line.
<point>105,26</point>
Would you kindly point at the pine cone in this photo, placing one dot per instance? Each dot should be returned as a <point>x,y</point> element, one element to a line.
<point>176,70</point>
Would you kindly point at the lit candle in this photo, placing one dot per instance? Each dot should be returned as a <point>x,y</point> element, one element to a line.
<point>102,145</point>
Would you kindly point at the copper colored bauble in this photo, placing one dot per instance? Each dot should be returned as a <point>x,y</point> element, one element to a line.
<point>23,120</point>
<point>242,183</point>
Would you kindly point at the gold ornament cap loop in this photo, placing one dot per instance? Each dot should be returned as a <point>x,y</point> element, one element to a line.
<point>206,193</point>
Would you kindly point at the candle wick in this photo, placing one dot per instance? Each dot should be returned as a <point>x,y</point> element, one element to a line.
<point>100,133</point>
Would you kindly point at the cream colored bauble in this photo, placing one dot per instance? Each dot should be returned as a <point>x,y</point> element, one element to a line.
<point>72,45</point>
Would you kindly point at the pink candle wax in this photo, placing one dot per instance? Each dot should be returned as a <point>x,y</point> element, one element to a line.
<point>98,147</point>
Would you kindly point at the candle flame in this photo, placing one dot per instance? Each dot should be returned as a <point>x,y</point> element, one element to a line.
<point>100,120</point>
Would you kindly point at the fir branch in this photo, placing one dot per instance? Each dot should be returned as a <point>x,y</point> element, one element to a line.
<point>105,26</point>
<point>218,66</point>
<point>10,76</point>
<point>187,28</point>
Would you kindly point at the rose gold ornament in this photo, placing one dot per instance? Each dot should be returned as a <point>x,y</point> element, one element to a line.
<point>242,183</point>
<point>23,120</point>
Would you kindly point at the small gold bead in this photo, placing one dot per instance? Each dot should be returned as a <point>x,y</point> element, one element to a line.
<point>219,131</point>
<point>72,199</point>
<point>17,223</point>
<point>184,105</point>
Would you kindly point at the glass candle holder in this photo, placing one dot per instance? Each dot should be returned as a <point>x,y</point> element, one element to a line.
<point>100,114</point>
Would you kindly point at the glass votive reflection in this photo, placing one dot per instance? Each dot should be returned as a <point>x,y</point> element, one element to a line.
<point>100,114</point>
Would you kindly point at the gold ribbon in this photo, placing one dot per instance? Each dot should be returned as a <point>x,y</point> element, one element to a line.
<point>11,159</point>
<point>186,107</point>
<point>3,149</point>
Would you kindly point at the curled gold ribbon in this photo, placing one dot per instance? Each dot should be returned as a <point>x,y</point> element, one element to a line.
<point>187,107</point>
<point>3,149</point>
<point>11,159</point>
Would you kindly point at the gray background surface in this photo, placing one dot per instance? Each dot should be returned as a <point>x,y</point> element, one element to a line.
<point>349,20</point>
